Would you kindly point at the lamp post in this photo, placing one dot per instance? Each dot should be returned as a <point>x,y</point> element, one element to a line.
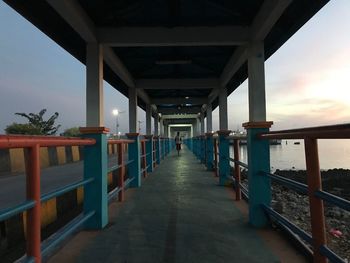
<point>116,113</point>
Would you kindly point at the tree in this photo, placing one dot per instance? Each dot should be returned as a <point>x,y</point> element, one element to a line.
<point>71,132</point>
<point>36,124</point>
<point>18,128</point>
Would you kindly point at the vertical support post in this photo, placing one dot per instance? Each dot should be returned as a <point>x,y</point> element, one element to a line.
<point>132,110</point>
<point>256,82</point>
<point>202,123</point>
<point>134,154</point>
<point>237,171</point>
<point>158,149</point>
<point>314,182</point>
<point>223,119</point>
<point>148,119</point>
<point>259,161</point>
<point>144,161</point>
<point>224,157</point>
<point>95,166</point>
<point>216,166</point>
<point>209,118</point>
<point>203,148</point>
<point>209,148</point>
<point>121,172</point>
<point>94,85</point>
<point>156,122</point>
<point>149,151</point>
<point>34,214</point>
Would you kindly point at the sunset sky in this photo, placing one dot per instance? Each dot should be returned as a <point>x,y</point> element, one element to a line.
<point>307,80</point>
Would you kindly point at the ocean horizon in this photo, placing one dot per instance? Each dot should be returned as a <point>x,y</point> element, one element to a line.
<point>333,154</point>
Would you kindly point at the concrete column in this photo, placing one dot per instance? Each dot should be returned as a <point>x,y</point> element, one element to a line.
<point>209,118</point>
<point>94,85</point>
<point>223,120</point>
<point>161,127</point>
<point>156,122</point>
<point>256,82</point>
<point>132,110</point>
<point>148,119</point>
<point>202,123</point>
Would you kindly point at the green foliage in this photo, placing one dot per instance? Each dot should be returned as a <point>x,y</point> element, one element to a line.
<point>36,124</point>
<point>18,128</point>
<point>71,132</point>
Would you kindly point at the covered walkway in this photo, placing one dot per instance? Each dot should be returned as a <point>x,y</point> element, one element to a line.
<point>180,214</point>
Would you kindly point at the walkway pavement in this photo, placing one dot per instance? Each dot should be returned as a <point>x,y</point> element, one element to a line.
<point>178,215</point>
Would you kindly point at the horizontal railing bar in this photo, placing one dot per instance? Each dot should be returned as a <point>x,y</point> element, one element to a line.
<point>113,193</point>
<point>299,187</point>
<point>333,199</point>
<point>9,212</point>
<point>281,219</point>
<point>325,251</point>
<point>324,132</point>
<point>120,141</point>
<point>128,162</point>
<point>64,232</point>
<point>128,181</point>
<point>114,167</point>
<point>239,163</point>
<point>65,189</point>
<point>24,141</point>
<point>236,137</point>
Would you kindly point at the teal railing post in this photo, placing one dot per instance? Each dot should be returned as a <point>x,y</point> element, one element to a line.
<point>224,156</point>
<point>134,168</point>
<point>158,153</point>
<point>95,166</point>
<point>162,147</point>
<point>259,186</point>
<point>149,151</point>
<point>203,153</point>
<point>210,151</point>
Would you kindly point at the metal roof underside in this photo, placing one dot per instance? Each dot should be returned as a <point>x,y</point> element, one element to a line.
<point>167,61</point>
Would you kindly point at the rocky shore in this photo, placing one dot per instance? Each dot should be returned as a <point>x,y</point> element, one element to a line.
<point>295,206</point>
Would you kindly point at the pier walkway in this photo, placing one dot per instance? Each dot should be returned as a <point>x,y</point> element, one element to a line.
<point>180,214</point>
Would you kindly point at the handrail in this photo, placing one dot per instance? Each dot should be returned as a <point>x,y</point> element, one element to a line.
<point>65,189</point>
<point>323,132</point>
<point>26,141</point>
<point>120,141</point>
<point>11,211</point>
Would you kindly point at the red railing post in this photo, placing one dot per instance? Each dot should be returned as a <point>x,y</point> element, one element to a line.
<point>314,182</point>
<point>33,193</point>
<point>237,171</point>
<point>216,157</point>
<point>121,174</point>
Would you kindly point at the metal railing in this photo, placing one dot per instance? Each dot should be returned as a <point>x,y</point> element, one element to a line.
<point>121,165</point>
<point>313,187</point>
<point>33,196</point>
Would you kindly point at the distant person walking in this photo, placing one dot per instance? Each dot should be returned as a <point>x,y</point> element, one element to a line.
<point>178,143</point>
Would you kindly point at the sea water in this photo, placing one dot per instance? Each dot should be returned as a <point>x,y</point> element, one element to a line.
<point>291,156</point>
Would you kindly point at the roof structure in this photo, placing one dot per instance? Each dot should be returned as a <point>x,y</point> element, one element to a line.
<point>176,53</point>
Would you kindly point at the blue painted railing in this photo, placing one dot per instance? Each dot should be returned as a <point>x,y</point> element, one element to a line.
<point>95,213</point>
<point>320,250</point>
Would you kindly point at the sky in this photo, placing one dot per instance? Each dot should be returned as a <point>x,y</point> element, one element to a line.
<point>307,79</point>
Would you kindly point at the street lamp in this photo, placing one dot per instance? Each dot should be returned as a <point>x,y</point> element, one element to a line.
<point>116,113</point>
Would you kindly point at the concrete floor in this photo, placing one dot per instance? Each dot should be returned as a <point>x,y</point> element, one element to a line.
<point>178,215</point>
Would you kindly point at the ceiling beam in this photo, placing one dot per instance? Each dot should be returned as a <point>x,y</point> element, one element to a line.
<point>75,16</point>
<point>178,101</point>
<point>183,110</point>
<point>175,36</point>
<point>206,83</point>
<point>180,116</point>
<point>268,15</point>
